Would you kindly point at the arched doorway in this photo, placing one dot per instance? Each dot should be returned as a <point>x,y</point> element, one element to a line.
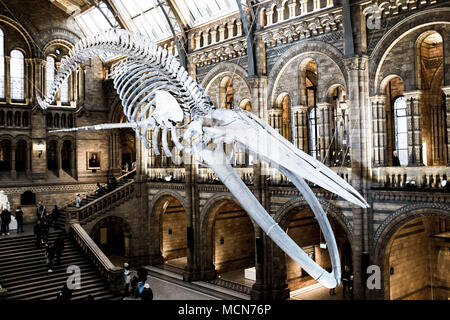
<point>5,155</point>
<point>230,243</point>
<point>172,232</point>
<point>112,235</point>
<point>300,224</point>
<point>128,148</point>
<point>416,260</point>
<point>66,156</point>
<point>430,79</point>
<point>52,156</point>
<point>21,156</point>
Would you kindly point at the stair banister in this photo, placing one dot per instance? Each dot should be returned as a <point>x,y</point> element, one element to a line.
<point>112,273</point>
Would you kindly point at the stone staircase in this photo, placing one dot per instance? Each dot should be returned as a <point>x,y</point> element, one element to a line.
<point>86,203</point>
<point>24,273</point>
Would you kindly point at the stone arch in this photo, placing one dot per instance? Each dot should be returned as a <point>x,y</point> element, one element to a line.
<point>222,69</point>
<point>304,50</point>
<point>155,216</point>
<point>238,76</point>
<point>283,217</point>
<point>386,232</point>
<point>430,19</point>
<point>32,50</point>
<point>400,217</point>
<point>125,226</point>
<point>207,219</point>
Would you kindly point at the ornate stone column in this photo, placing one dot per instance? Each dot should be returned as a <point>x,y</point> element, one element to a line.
<point>292,9</point>
<point>446,91</point>
<point>379,130</point>
<point>414,128</point>
<point>300,124</point>
<point>28,160</point>
<point>13,161</point>
<point>8,79</point>
<point>59,170</point>
<point>324,136</point>
<point>303,7</point>
<point>269,19</point>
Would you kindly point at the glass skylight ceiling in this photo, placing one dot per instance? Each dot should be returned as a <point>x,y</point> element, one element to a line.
<point>196,12</point>
<point>97,20</point>
<point>146,16</point>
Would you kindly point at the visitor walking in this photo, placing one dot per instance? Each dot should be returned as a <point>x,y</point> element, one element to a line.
<point>395,159</point>
<point>59,247</point>
<point>78,201</point>
<point>147,293</point>
<point>45,229</point>
<point>38,233</point>
<point>6,219</point>
<point>49,254</point>
<point>55,215</point>
<point>126,278</point>
<point>350,287</point>
<point>19,219</point>
<point>100,190</point>
<point>345,279</point>
<point>65,294</point>
<point>40,211</point>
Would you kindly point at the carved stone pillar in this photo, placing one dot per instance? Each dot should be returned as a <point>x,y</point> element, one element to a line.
<point>280,14</point>
<point>13,162</point>
<point>59,170</point>
<point>230,28</point>
<point>221,33</point>
<point>197,41</point>
<point>379,130</point>
<point>324,136</point>
<point>73,162</point>
<point>213,36</point>
<point>414,128</point>
<point>292,9</point>
<point>300,124</point>
<point>28,160</point>
<point>239,28</point>
<point>447,122</point>
<point>205,38</point>
<point>269,19</point>
<point>303,7</point>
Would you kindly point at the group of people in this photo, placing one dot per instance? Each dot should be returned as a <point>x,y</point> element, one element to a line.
<point>41,231</point>
<point>347,283</point>
<point>140,288</point>
<point>5,217</point>
<point>111,184</point>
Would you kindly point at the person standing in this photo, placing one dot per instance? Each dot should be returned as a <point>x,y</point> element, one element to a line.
<point>78,201</point>
<point>59,247</point>
<point>41,211</point>
<point>350,287</point>
<point>147,293</point>
<point>49,254</point>
<point>44,231</point>
<point>126,278</point>
<point>38,233</point>
<point>6,219</point>
<point>345,279</point>
<point>19,219</point>
<point>395,159</point>
<point>55,215</point>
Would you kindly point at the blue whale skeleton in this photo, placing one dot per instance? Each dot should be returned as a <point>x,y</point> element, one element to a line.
<point>157,92</point>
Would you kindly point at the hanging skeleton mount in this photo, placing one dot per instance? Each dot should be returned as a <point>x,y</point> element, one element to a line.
<point>157,92</point>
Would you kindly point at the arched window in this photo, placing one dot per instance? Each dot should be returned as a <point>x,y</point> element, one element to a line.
<point>64,91</point>
<point>2,65</point>
<point>401,129</point>
<point>17,75</point>
<point>70,121</point>
<point>313,132</point>
<point>49,73</point>
<point>9,119</point>
<point>49,120</point>
<point>56,121</point>
<point>2,118</point>
<point>25,119</point>
<point>63,121</point>
<point>17,119</point>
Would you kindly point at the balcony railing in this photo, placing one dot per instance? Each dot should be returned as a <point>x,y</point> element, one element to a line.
<point>433,177</point>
